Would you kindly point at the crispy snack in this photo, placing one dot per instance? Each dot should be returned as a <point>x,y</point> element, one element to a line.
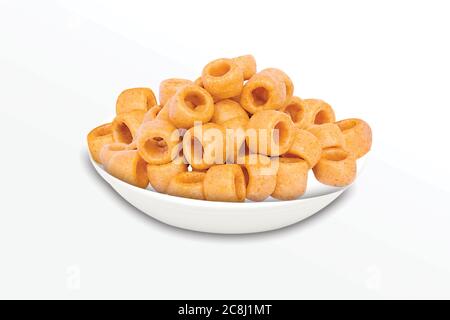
<point>135,99</point>
<point>329,135</point>
<point>248,65</point>
<point>261,176</point>
<point>152,113</point>
<point>270,133</point>
<point>357,135</point>
<point>305,146</point>
<point>169,87</point>
<point>111,149</point>
<point>336,167</point>
<point>223,78</point>
<point>295,108</point>
<point>317,112</point>
<point>224,182</point>
<point>161,175</point>
<point>284,78</point>
<point>128,166</point>
<point>228,109</point>
<point>235,137</point>
<point>97,138</point>
<point>125,126</point>
<point>292,177</point>
<point>187,185</point>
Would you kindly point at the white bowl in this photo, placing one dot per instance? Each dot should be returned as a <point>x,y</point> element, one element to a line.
<point>226,217</point>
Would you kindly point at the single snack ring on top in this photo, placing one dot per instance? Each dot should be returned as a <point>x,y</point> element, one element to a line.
<point>111,149</point>
<point>160,175</point>
<point>295,108</point>
<point>248,65</point>
<point>261,176</point>
<point>270,133</point>
<point>305,146</point>
<point>158,142</point>
<point>282,77</point>
<point>125,126</point>
<point>97,138</point>
<point>227,109</point>
<point>223,78</point>
<point>358,136</point>
<point>225,182</point>
<point>263,92</point>
<point>328,134</point>
<point>169,87</point>
<point>292,177</point>
<point>187,185</point>
<point>317,112</point>
<point>205,145</point>
<point>128,166</point>
<point>135,99</point>
<point>152,113</point>
<point>190,104</point>
<point>336,167</point>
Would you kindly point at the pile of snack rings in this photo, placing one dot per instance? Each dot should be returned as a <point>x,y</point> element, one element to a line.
<point>232,99</point>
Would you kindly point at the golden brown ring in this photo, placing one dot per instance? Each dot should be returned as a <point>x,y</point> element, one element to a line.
<point>125,126</point>
<point>305,146</point>
<point>248,65</point>
<point>227,109</point>
<point>97,138</point>
<point>169,87</point>
<point>317,112</point>
<point>328,134</point>
<point>158,142</point>
<point>152,113</point>
<point>282,77</point>
<point>270,133</point>
<point>223,79</point>
<point>128,166</point>
<point>187,185</point>
<point>189,105</point>
<point>110,149</point>
<point>135,99</point>
<point>358,136</point>
<point>160,175</point>
<point>336,167</point>
<point>261,176</point>
<point>224,182</point>
<point>296,110</point>
<point>292,178</point>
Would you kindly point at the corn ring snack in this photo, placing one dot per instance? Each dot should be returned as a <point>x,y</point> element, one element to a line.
<point>97,138</point>
<point>125,126</point>
<point>225,182</point>
<point>263,92</point>
<point>317,112</point>
<point>292,177</point>
<point>190,104</point>
<point>135,99</point>
<point>158,142</point>
<point>328,134</point>
<point>227,109</point>
<point>336,167</point>
<point>306,146</point>
<point>199,82</point>
<point>282,77</point>
<point>235,137</point>
<point>248,65</point>
<point>169,87</point>
<point>358,136</point>
<point>223,78</point>
<point>160,175</point>
<point>270,133</point>
<point>204,146</point>
<point>187,185</point>
<point>163,114</point>
<point>128,166</point>
<point>152,113</point>
<point>261,176</point>
<point>296,110</point>
<point>111,149</point>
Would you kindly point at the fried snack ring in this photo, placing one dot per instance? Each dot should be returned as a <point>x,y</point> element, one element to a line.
<point>357,135</point>
<point>295,108</point>
<point>292,177</point>
<point>235,137</point>
<point>135,99</point>
<point>204,146</point>
<point>328,134</point>
<point>223,78</point>
<point>261,176</point>
<point>317,112</point>
<point>336,167</point>
<point>190,104</point>
<point>282,77</point>
<point>270,133</point>
<point>128,166</point>
<point>199,82</point>
<point>97,138</point>
<point>248,65</point>
<point>305,146</point>
<point>169,87</point>
<point>227,109</point>
<point>263,92</point>
<point>111,149</point>
<point>225,182</point>
<point>187,185</point>
<point>152,113</point>
<point>160,175</point>
<point>125,126</point>
<point>158,142</point>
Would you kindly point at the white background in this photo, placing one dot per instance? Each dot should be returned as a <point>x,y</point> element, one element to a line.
<point>64,233</point>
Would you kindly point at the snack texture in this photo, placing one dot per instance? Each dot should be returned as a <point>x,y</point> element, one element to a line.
<point>234,133</point>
